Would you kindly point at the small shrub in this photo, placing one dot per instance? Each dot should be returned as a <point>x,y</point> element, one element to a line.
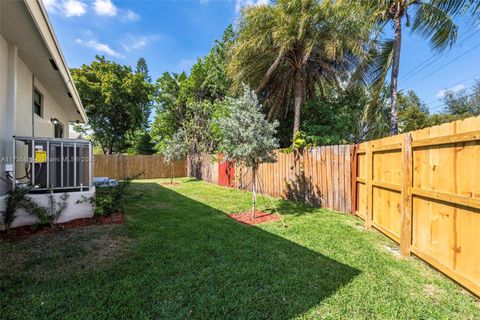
<point>107,201</point>
<point>50,213</point>
<point>14,200</point>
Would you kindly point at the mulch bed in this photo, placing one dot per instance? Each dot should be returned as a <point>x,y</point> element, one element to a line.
<point>26,231</point>
<point>260,217</point>
<point>168,184</point>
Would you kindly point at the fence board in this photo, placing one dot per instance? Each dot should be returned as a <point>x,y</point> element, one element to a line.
<point>123,166</point>
<point>429,201</point>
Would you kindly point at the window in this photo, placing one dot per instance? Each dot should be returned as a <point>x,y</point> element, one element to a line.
<point>58,130</point>
<point>37,103</point>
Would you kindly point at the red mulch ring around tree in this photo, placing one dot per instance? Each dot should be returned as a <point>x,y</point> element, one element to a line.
<point>260,217</point>
<point>26,231</point>
<point>170,184</point>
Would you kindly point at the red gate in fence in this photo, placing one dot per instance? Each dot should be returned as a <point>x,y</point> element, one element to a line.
<point>226,173</point>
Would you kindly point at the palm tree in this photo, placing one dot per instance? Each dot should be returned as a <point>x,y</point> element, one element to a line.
<point>287,50</point>
<point>427,18</point>
<point>469,8</point>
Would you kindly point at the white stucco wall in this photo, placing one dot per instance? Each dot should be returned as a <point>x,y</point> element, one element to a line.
<point>51,109</point>
<point>73,211</point>
<point>3,107</point>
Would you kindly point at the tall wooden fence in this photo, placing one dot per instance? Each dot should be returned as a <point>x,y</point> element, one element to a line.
<point>319,176</point>
<point>422,189</point>
<point>124,166</point>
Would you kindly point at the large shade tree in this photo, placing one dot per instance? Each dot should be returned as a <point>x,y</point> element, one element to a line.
<point>116,100</point>
<point>246,136</point>
<point>426,19</point>
<point>286,49</point>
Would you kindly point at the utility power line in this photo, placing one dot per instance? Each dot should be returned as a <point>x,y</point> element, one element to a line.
<point>412,72</point>
<point>445,105</point>
<point>454,84</point>
<point>444,65</point>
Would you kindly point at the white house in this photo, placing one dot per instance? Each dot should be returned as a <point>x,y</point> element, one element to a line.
<point>38,101</point>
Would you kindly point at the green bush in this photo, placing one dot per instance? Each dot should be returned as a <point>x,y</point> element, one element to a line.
<point>14,200</point>
<point>50,213</point>
<point>107,201</point>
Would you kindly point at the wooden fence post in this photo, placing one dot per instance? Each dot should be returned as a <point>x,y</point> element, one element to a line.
<point>369,187</point>
<point>354,166</point>
<point>406,218</point>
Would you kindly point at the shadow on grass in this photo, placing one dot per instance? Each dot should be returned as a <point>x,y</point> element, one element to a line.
<point>219,268</point>
<point>189,261</point>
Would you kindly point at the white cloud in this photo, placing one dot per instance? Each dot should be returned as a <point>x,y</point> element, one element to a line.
<point>247,3</point>
<point>454,89</point>
<point>67,8</point>
<point>100,47</point>
<point>105,8</point>
<point>129,15</point>
<point>137,42</point>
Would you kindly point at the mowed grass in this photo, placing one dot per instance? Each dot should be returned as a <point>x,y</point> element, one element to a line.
<point>179,256</point>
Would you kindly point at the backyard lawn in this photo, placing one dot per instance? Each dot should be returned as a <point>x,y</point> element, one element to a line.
<point>179,256</point>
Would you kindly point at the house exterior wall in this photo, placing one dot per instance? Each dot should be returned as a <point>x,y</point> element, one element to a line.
<point>16,85</point>
<point>73,210</point>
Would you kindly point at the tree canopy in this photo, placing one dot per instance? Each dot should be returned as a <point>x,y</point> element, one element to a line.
<point>116,100</point>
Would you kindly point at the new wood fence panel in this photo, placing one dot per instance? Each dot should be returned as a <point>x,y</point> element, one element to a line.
<point>429,200</point>
<point>123,166</point>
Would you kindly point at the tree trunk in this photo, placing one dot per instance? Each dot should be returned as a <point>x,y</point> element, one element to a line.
<point>254,191</point>
<point>397,43</point>
<point>298,88</point>
<point>171,174</point>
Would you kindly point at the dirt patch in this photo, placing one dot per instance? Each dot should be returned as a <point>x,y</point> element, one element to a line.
<point>260,217</point>
<point>432,291</point>
<point>65,252</point>
<point>26,231</point>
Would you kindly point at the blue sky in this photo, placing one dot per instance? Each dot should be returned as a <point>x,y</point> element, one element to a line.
<point>170,35</point>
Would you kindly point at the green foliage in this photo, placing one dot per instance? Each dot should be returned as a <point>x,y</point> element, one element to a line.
<point>462,103</point>
<point>413,114</point>
<point>117,101</point>
<point>246,136</point>
<point>14,200</point>
<point>428,19</point>
<point>175,148</point>
<point>107,201</point>
<point>191,103</point>
<point>334,116</point>
<point>48,214</point>
<point>141,143</point>
<point>289,49</point>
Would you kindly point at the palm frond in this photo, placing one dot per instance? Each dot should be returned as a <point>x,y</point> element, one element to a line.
<point>459,7</point>
<point>435,24</point>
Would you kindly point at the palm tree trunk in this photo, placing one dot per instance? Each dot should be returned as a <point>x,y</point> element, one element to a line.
<point>298,91</point>
<point>397,43</point>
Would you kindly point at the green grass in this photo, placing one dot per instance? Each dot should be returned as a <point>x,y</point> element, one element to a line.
<point>179,256</point>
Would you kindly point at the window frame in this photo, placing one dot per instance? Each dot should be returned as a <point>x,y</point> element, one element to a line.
<point>34,104</point>
<point>60,124</point>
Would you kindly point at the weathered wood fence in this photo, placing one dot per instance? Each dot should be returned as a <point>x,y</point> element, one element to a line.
<point>421,189</point>
<point>320,176</point>
<point>124,166</point>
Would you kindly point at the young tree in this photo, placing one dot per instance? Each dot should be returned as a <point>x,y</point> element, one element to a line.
<point>174,150</point>
<point>116,100</point>
<point>246,136</point>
